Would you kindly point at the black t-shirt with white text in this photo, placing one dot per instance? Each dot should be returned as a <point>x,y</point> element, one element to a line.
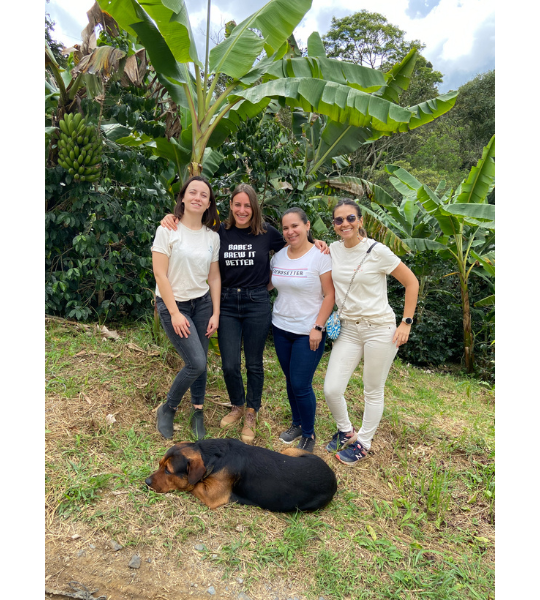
<point>244,260</point>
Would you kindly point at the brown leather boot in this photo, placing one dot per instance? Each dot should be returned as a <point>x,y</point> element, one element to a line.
<point>237,412</point>
<point>250,423</point>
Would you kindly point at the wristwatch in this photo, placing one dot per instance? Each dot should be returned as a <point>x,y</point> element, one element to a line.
<point>318,327</point>
<point>407,320</point>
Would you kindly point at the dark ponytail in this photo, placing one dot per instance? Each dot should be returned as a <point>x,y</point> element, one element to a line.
<point>301,213</point>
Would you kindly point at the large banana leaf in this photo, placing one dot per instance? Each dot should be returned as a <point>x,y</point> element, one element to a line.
<point>236,54</point>
<point>276,20</point>
<point>315,46</point>
<point>339,138</point>
<point>339,102</point>
<point>428,111</point>
<point>380,232</point>
<point>481,178</point>
<point>402,176</point>
<point>423,244</point>
<point>359,187</point>
<point>487,301</point>
<point>398,78</point>
<point>329,69</point>
<point>449,225</point>
<point>211,162</point>
<point>157,31</point>
<point>478,212</point>
<point>391,218</point>
<point>487,261</point>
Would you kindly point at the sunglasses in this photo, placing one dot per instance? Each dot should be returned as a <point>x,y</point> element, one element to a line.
<point>350,218</point>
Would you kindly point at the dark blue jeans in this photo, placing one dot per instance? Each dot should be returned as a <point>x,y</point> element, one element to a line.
<point>193,349</point>
<point>299,364</point>
<point>245,314</point>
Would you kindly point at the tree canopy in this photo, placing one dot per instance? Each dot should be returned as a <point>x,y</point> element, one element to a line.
<point>367,38</point>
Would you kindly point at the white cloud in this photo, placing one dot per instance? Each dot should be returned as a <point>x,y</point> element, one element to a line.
<point>453,30</point>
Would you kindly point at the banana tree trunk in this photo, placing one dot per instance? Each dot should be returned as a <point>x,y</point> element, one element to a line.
<point>467,326</point>
<point>195,166</point>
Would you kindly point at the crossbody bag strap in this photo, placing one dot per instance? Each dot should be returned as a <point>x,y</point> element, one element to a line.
<point>354,275</point>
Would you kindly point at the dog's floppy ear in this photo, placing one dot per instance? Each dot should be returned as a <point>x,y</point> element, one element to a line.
<point>195,469</point>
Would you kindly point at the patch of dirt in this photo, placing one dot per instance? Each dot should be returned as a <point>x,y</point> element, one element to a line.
<point>89,560</point>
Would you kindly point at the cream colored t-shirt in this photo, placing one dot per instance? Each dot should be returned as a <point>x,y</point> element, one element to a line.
<point>190,256</point>
<point>367,297</point>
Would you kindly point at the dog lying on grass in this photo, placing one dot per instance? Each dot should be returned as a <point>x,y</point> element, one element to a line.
<point>219,471</point>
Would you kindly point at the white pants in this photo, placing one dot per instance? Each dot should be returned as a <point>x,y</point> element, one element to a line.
<point>359,339</point>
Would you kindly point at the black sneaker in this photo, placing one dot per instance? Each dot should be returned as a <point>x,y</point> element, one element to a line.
<point>307,444</point>
<point>196,419</point>
<point>293,433</point>
<point>164,420</point>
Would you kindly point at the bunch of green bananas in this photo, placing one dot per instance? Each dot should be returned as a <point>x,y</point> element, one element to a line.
<point>79,148</point>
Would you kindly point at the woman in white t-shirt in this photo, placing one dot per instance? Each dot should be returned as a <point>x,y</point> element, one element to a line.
<point>368,328</point>
<point>302,276</point>
<point>188,292</point>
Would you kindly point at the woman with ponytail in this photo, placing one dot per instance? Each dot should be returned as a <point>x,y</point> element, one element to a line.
<point>302,276</point>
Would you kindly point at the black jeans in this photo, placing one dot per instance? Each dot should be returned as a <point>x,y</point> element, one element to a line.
<point>193,349</point>
<point>246,315</point>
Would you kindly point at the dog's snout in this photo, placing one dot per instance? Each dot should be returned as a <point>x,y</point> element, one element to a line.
<point>148,481</point>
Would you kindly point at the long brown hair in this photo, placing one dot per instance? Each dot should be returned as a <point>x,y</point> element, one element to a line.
<point>210,216</point>
<point>349,202</point>
<point>256,224</point>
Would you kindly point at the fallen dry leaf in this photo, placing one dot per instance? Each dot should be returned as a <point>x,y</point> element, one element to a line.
<point>135,347</point>
<point>108,334</point>
<point>86,398</point>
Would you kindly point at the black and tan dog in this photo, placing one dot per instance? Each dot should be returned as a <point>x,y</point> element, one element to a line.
<point>227,470</point>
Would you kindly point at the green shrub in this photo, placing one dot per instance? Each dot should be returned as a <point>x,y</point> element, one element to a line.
<point>97,243</point>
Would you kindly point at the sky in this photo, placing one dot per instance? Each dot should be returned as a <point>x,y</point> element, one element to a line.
<point>459,34</point>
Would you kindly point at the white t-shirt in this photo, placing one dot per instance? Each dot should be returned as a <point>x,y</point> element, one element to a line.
<point>190,255</point>
<point>299,289</point>
<point>367,297</point>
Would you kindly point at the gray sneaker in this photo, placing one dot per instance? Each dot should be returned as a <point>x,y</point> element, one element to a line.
<point>293,433</point>
<point>307,444</point>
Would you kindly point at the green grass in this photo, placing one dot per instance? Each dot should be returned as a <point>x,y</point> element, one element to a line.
<point>416,520</point>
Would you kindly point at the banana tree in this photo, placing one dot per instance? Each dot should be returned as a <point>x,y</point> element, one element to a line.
<point>325,137</point>
<point>349,95</point>
<point>463,223</point>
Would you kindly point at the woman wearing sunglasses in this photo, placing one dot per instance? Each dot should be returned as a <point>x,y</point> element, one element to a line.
<point>368,328</point>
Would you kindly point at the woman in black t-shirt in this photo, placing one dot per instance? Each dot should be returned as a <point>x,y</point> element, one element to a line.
<point>246,313</point>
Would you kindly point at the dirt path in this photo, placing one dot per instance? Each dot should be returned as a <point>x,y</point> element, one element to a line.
<point>90,561</point>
